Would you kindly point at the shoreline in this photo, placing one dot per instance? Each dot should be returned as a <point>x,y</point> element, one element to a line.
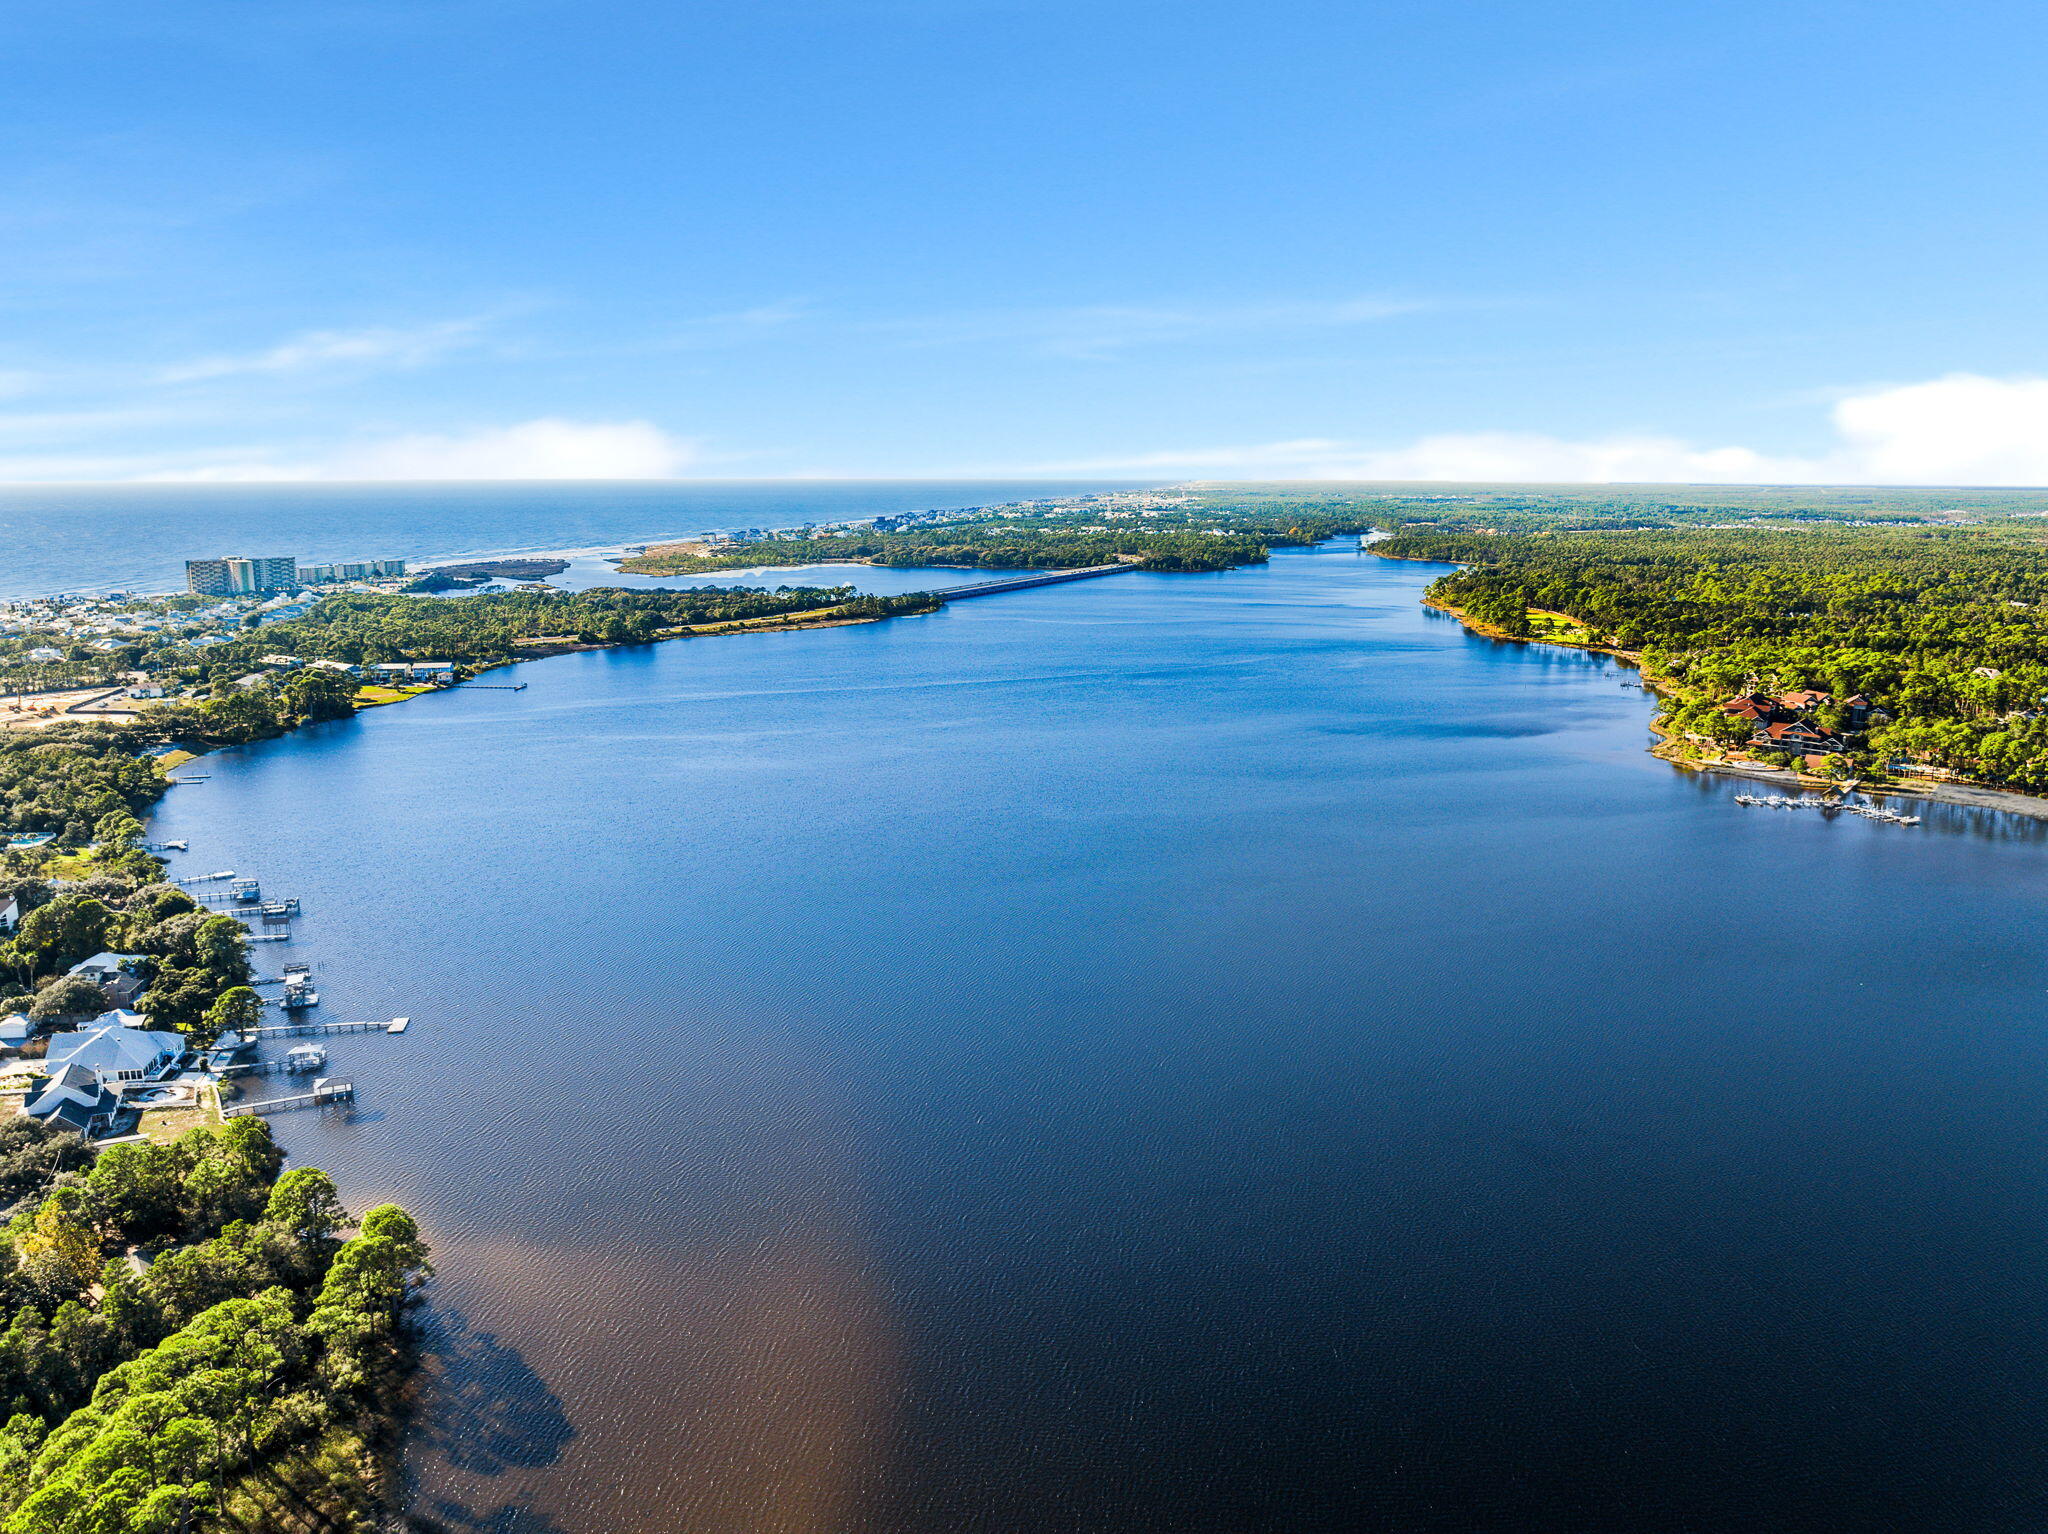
<point>1965,795</point>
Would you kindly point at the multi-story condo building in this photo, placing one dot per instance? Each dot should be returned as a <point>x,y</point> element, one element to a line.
<point>238,577</point>
<point>350,570</point>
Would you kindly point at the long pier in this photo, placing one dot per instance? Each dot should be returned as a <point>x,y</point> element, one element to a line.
<point>323,1092</point>
<point>1023,582</point>
<point>295,1030</point>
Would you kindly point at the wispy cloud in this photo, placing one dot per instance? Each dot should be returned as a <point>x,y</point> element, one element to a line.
<point>380,346</point>
<point>1097,332</point>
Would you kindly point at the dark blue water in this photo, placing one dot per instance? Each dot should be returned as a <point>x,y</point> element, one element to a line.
<point>1166,1054</point>
<point>88,538</point>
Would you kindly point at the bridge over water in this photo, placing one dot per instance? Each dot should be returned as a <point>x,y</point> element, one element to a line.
<point>1019,583</point>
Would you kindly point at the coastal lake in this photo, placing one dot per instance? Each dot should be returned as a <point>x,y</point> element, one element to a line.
<point>1162,1054</point>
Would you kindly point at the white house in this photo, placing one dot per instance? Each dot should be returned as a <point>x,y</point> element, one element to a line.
<point>115,1053</point>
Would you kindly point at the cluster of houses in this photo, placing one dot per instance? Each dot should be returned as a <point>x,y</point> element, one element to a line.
<point>383,671</point>
<point>1784,723</point>
<point>97,1078</point>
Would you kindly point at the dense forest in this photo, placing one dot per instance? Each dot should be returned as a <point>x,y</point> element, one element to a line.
<point>1176,540</point>
<point>363,628</point>
<point>1944,628</point>
<point>194,1340</point>
<point>1531,508</point>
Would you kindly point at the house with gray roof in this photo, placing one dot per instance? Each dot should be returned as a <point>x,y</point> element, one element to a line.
<point>73,1097</point>
<point>114,1053</point>
<point>114,973</point>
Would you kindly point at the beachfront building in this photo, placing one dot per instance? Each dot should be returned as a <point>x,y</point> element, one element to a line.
<point>350,570</point>
<point>237,576</point>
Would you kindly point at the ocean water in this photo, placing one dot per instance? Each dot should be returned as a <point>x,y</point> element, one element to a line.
<point>1164,1055</point>
<point>92,538</point>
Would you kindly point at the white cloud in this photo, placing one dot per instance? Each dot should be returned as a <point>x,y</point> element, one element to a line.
<point>378,346</point>
<point>550,448</point>
<point>1964,429</point>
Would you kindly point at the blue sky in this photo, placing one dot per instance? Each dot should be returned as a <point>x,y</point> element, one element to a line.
<point>1440,238</point>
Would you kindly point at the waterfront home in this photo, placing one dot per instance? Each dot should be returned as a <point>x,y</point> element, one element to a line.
<point>1753,706</point>
<point>114,973</point>
<point>418,670</point>
<point>117,1054</point>
<point>73,1097</point>
<point>1799,702</point>
<point>1797,737</point>
<point>341,666</point>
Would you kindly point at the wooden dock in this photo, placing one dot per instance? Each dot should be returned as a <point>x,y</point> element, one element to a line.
<point>283,1030</point>
<point>323,1092</point>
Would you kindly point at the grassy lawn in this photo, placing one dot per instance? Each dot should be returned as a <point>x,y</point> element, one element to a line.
<point>377,694</point>
<point>70,865</point>
<point>170,761</point>
<point>1548,625</point>
<point>163,1125</point>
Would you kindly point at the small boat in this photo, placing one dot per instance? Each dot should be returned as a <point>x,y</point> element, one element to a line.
<point>301,1058</point>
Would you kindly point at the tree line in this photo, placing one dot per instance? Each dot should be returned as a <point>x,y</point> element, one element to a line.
<point>1945,628</point>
